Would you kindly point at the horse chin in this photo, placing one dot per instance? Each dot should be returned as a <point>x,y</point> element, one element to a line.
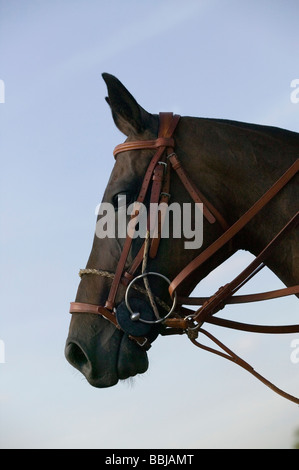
<point>129,362</point>
<point>132,360</point>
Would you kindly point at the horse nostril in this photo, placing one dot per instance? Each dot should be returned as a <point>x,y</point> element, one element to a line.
<point>76,356</point>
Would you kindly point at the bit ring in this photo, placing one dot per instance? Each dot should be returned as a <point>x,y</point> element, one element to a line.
<point>151,273</point>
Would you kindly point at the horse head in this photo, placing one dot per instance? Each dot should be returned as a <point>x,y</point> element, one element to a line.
<point>124,296</point>
<point>98,349</point>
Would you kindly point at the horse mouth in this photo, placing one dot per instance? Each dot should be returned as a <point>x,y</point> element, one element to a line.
<point>104,362</point>
<point>131,360</point>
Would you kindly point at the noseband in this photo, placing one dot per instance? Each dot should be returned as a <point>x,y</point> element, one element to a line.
<point>179,319</point>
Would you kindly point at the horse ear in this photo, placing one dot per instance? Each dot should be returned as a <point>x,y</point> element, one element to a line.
<point>128,116</point>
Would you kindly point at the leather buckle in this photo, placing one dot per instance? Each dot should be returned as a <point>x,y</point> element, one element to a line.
<point>165,166</point>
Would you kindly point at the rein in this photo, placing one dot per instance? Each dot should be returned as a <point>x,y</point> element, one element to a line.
<point>179,319</point>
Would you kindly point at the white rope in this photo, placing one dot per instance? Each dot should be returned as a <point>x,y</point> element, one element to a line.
<point>103,273</point>
<point>145,279</point>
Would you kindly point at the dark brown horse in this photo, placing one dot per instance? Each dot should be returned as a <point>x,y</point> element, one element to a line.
<point>233,164</point>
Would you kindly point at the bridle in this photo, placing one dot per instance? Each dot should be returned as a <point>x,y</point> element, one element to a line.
<point>179,319</point>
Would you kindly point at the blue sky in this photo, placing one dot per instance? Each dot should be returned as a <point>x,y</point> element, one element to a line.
<point>228,59</point>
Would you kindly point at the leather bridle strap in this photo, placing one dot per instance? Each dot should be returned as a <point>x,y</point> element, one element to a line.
<point>227,353</point>
<point>163,196</point>
<point>247,298</point>
<point>218,301</point>
<point>224,296</point>
<point>168,123</point>
<point>144,144</point>
<point>234,229</point>
<point>79,307</point>
<point>161,215</point>
<point>167,126</point>
<point>209,211</point>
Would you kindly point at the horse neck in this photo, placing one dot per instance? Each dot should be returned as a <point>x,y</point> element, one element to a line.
<point>234,164</point>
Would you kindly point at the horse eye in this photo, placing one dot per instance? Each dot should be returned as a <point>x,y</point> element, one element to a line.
<point>122,200</point>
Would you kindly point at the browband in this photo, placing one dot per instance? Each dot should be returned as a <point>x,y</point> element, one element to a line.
<point>143,144</point>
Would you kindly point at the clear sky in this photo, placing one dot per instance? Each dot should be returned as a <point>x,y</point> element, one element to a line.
<point>218,58</point>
